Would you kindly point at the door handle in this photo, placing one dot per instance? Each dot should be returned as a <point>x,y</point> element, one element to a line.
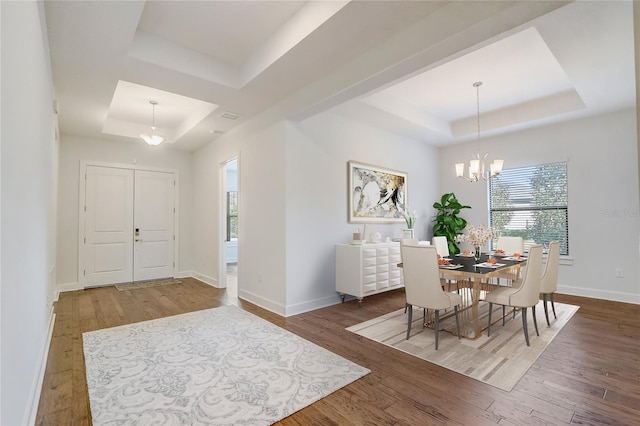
<point>138,239</point>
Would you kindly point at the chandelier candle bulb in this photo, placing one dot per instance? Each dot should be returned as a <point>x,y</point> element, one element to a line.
<point>497,165</point>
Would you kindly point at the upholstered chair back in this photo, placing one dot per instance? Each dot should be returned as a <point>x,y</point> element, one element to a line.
<point>529,292</point>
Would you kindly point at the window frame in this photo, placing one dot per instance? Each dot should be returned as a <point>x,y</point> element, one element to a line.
<point>524,207</point>
<point>229,236</point>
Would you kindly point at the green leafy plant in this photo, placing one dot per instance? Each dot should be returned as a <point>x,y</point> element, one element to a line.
<point>447,222</point>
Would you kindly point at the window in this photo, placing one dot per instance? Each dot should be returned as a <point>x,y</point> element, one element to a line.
<point>232,215</point>
<point>531,202</point>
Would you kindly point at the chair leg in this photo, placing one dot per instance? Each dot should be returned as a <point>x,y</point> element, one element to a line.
<point>437,326</point>
<point>410,312</point>
<point>455,310</point>
<point>489,328</point>
<point>546,312</point>
<point>535,322</point>
<point>524,325</point>
<point>553,307</point>
<point>405,307</point>
<point>424,317</point>
<point>504,310</point>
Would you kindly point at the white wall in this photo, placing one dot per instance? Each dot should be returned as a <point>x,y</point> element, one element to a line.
<point>261,182</point>
<point>293,204</point>
<point>318,151</point>
<point>29,161</point>
<point>73,149</point>
<point>604,215</point>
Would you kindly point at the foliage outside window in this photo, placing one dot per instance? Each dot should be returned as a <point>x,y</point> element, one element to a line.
<point>232,215</point>
<point>531,202</point>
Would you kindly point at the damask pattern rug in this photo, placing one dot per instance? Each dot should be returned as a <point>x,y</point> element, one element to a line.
<point>221,366</point>
<point>500,360</point>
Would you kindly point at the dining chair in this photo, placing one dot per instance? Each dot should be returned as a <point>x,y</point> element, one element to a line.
<point>422,285</point>
<point>442,248</point>
<point>442,245</point>
<point>413,242</point>
<point>510,245</point>
<point>549,281</point>
<point>410,241</point>
<point>526,295</point>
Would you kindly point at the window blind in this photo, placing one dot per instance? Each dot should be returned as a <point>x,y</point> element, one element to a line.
<point>531,202</point>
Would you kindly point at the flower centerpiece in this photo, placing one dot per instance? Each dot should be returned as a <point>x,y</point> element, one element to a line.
<point>477,237</point>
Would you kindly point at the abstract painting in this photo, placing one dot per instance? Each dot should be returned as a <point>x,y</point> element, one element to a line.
<point>376,194</point>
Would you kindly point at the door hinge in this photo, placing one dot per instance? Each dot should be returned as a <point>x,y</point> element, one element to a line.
<point>85,240</point>
<point>85,272</point>
<point>174,264</point>
<point>85,208</point>
<point>174,238</point>
<point>174,210</point>
<point>174,183</point>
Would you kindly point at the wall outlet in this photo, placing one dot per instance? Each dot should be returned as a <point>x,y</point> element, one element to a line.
<point>619,273</point>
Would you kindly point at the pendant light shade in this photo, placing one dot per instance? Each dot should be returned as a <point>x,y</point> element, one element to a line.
<point>152,138</point>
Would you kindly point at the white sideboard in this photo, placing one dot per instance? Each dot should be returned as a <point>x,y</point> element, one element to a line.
<point>364,270</point>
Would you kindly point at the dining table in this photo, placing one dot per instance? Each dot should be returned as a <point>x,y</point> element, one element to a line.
<point>478,272</point>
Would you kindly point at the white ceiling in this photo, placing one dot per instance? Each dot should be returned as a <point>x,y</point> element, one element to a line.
<point>407,67</point>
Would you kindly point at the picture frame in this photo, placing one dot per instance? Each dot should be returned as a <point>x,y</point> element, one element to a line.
<point>376,194</point>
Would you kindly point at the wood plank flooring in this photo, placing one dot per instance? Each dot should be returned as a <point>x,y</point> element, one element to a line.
<point>589,375</point>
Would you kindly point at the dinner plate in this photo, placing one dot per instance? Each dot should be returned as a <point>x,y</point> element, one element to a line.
<point>465,255</point>
<point>519,259</point>
<point>450,266</point>
<point>490,265</point>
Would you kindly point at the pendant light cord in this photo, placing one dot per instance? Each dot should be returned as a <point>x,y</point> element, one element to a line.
<point>477,85</point>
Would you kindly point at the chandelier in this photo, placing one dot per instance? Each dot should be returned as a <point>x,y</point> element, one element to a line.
<point>477,168</point>
<point>151,138</point>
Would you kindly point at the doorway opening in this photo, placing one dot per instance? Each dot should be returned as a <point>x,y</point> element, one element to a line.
<point>230,172</point>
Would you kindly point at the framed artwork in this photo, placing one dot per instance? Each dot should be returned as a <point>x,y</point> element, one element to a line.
<point>376,194</point>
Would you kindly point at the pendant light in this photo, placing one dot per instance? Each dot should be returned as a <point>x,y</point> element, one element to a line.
<point>476,165</point>
<point>151,138</point>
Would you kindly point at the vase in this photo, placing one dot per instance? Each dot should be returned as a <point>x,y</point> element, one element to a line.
<point>477,253</point>
<point>407,233</point>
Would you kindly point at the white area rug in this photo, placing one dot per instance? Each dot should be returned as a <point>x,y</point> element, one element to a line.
<point>500,360</point>
<point>219,366</point>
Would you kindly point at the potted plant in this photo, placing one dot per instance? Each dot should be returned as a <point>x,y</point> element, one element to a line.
<point>447,223</point>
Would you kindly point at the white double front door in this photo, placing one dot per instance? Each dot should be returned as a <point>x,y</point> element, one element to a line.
<point>129,225</point>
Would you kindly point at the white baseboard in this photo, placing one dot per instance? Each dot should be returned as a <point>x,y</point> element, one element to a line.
<point>36,388</point>
<point>67,287</point>
<point>184,274</point>
<point>599,294</point>
<point>312,305</point>
<point>213,282</point>
<point>264,303</point>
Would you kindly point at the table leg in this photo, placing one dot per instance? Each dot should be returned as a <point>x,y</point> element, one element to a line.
<point>475,313</point>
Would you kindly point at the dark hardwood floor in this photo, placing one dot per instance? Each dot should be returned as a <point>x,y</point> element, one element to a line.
<point>589,375</point>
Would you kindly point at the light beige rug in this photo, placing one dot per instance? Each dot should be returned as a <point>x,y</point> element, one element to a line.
<point>500,360</point>
<point>147,284</point>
